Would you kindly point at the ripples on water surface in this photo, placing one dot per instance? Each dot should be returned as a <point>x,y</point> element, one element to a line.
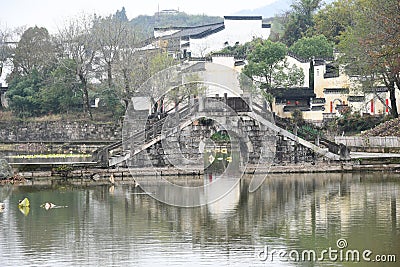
<point>105,226</point>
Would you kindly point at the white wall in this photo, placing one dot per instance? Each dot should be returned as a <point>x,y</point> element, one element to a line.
<point>164,32</point>
<point>304,66</point>
<point>241,31</point>
<point>227,61</point>
<point>7,69</point>
<point>221,79</point>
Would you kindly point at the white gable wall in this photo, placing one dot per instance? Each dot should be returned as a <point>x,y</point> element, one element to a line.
<point>221,79</point>
<point>164,32</point>
<point>304,66</point>
<point>7,69</point>
<point>241,31</point>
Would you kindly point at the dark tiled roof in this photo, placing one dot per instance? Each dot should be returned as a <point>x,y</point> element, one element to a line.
<point>294,93</point>
<point>319,62</point>
<point>336,90</point>
<point>378,89</point>
<point>197,32</point>
<point>318,101</point>
<point>292,108</point>
<point>3,89</point>
<point>356,98</point>
<point>318,108</point>
<point>187,44</point>
<point>298,58</point>
<point>194,32</point>
<point>243,17</point>
<point>185,27</point>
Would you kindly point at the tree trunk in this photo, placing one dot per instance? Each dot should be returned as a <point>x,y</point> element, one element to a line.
<point>127,85</point>
<point>126,103</point>
<point>86,104</point>
<point>109,75</point>
<point>392,93</point>
<point>125,94</point>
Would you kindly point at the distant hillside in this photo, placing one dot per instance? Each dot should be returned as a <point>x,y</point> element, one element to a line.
<point>276,8</point>
<point>148,23</point>
<point>268,11</point>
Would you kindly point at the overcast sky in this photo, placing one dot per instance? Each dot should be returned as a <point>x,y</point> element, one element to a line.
<point>53,13</point>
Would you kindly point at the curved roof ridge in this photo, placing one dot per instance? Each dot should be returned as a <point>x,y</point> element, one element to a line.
<point>187,27</point>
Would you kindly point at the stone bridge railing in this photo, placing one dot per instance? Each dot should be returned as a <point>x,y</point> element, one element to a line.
<point>369,142</point>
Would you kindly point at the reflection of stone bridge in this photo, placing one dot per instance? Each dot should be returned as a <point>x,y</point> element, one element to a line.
<point>180,129</point>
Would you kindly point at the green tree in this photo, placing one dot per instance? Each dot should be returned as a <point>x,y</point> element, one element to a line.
<point>299,20</point>
<point>334,18</point>
<point>268,67</point>
<point>23,94</point>
<point>267,61</point>
<point>371,46</point>
<point>238,50</point>
<point>109,101</point>
<point>61,92</point>
<point>315,46</point>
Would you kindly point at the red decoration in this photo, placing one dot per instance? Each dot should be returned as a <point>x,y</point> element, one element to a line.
<point>372,106</point>
<point>387,105</point>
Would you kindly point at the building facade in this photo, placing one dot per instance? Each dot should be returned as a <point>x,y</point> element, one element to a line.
<point>199,41</point>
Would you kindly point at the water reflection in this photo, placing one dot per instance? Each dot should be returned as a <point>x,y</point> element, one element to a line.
<point>104,226</point>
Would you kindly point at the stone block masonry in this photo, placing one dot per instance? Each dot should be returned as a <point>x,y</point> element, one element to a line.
<point>59,131</point>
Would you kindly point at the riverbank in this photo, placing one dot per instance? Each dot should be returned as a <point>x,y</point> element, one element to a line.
<point>99,176</point>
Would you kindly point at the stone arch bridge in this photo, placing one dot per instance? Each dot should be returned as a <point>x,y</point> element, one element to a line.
<point>177,136</point>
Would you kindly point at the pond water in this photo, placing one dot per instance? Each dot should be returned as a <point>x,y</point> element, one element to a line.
<point>289,216</point>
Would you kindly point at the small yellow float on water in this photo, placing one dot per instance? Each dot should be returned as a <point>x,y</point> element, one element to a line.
<point>23,206</point>
<point>24,203</point>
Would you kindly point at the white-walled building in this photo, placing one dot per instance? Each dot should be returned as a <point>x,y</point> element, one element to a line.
<point>6,67</point>
<point>199,41</point>
<point>338,90</point>
<point>331,91</point>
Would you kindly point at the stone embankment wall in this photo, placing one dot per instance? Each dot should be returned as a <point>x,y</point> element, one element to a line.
<point>59,131</point>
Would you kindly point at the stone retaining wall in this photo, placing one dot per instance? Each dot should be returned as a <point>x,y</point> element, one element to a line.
<point>58,131</point>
